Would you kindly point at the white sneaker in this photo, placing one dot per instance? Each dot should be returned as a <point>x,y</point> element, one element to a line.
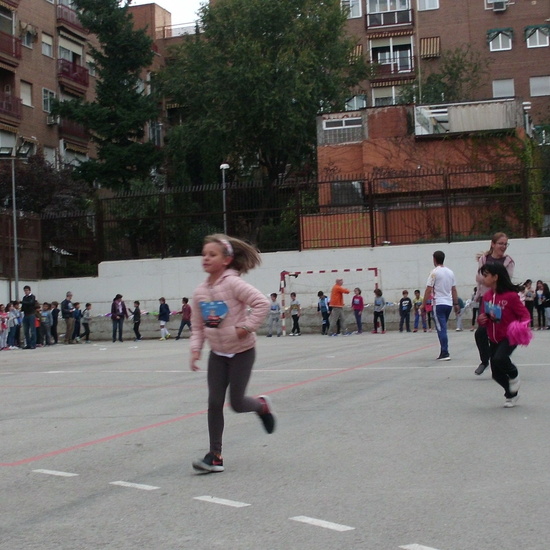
<point>511,401</point>
<point>514,384</point>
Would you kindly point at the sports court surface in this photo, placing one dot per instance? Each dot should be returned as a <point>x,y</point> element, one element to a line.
<point>378,447</point>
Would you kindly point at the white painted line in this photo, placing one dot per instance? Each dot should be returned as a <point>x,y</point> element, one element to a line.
<point>223,501</point>
<point>134,485</point>
<point>416,547</point>
<point>322,523</point>
<point>63,372</point>
<point>55,473</point>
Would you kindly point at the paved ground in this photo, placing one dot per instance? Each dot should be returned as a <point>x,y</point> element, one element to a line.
<point>378,447</point>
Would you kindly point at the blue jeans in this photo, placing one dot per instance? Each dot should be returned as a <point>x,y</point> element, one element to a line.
<point>441,316</point>
<point>117,326</point>
<point>29,330</point>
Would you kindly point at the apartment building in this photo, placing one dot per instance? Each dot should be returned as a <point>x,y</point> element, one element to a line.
<point>406,38</point>
<point>44,54</point>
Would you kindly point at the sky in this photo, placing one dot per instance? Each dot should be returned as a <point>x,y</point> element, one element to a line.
<point>183,11</point>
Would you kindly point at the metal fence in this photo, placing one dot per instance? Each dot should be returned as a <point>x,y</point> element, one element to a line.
<point>375,209</point>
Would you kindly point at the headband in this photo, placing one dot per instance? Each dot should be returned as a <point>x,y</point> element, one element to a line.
<point>228,247</point>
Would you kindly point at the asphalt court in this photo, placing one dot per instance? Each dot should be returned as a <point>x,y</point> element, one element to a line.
<point>378,446</point>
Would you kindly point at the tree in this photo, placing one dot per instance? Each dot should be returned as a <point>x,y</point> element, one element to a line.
<point>458,77</point>
<point>250,86</point>
<point>116,118</point>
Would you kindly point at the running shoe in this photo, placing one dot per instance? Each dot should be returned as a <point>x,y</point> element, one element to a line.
<point>211,463</point>
<point>511,401</point>
<point>481,368</point>
<point>266,415</point>
<point>444,357</point>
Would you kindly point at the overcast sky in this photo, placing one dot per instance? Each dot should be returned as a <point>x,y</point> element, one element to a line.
<point>183,11</point>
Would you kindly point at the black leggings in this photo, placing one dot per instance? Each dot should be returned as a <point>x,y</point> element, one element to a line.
<point>379,316</point>
<point>233,372</point>
<point>541,317</point>
<point>501,365</point>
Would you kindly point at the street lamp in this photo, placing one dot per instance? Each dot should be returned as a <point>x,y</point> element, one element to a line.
<point>6,153</point>
<point>223,168</point>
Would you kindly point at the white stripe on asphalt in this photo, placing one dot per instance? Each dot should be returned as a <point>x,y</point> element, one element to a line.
<point>416,547</point>
<point>55,473</point>
<point>322,523</point>
<point>223,501</point>
<point>134,485</point>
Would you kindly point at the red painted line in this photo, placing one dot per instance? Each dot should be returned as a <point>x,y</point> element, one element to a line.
<point>198,413</point>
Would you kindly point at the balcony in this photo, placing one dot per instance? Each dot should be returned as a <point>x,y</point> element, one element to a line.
<point>12,3</point>
<point>481,116</point>
<point>10,108</point>
<point>68,18</point>
<point>73,76</point>
<point>388,19</point>
<point>394,67</point>
<point>10,48</point>
<point>68,128</point>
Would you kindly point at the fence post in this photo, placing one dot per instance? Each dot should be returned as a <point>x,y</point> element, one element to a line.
<point>448,225</point>
<point>298,201</point>
<point>162,210</point>
<point>372,225</point>
<point>526,202</point>
<point>99,230</point>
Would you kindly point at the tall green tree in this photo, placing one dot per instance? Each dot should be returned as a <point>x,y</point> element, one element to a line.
<point>117,117</point>
<point>457,77</point>
<point>249,87</point>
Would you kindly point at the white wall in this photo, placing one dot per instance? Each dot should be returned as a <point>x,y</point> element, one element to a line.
<point>401,267</point>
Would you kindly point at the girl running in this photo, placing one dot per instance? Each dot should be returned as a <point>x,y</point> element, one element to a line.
<point>220,315</point>
<point>507,322</point>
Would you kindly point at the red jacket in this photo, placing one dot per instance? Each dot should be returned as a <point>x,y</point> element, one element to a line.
<point>512,309</point>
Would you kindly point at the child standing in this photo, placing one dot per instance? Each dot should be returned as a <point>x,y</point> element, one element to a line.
<point>185,316</point>
<point>419,312</point>
<point>324,310</point>
<point>475,308</point>
<point>357,306</point>
<point>379,305</point>
<point>55,317</point>
<point>295,312</point>
<point>220,315</point>
<point>86,320</point>
<point>77,314</point>
<point>46,324</point>
<point>274,319</point>
<point>3,327</point>
<point>137,321</point>
<point>164,317</point>
<point>500,311</point>
<point>405,306</point>
<point>12,325</point>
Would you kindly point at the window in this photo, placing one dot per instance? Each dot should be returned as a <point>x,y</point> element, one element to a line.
<point>424,5</point>
<point>500,39</point>
<point>47,97</point>
<point>356,102</point>
<point>539,85</point>
<point>27,39</point>
<point>26,93</point>
<point>385,96</point>
<point>6,20</point>
<point>504,88</point>
<point>352,8</point>
<point>90,64</point>
<point>47,45</point>
<point>338,124</point>
<point>381,6</point>
<point>537,37</point>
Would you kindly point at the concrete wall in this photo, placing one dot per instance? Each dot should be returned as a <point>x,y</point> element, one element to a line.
<point>399,267</point>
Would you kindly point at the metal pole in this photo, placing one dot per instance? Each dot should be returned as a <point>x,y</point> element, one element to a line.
<point>15,243</point>
<point>223,168</point>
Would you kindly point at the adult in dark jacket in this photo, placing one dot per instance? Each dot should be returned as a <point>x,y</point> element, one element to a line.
<point>118,314</point>
<point>28,307</point>
<point>67,313</point>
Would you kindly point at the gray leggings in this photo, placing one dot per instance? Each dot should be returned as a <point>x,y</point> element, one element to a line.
<point>233,372</point>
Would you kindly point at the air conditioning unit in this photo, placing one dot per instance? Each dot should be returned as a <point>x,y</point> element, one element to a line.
<point>499,6</point>
<point>52,120</point>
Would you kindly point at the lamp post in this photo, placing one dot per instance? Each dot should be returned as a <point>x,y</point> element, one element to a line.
<point>223,168</point>
<point>6,153</point>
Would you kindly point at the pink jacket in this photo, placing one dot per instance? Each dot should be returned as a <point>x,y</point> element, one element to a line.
<point>512,310</point>
<point>239,296</point>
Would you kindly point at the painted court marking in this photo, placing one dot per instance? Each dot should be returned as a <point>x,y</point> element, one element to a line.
<point>55,473</point>
<point>416,547</point>
<point>134,485</point>
<point>322,523</point>
<point>223,501</point>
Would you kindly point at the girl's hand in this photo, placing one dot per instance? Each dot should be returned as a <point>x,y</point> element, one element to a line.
<point>241,333</point>
<point>482,319</point>
<point>195,356</point>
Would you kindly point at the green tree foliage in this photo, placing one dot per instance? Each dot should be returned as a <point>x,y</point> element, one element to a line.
<point>250,87</point>
<point>457,77</point>
<point>117,117</point>
<point>41,188</point>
